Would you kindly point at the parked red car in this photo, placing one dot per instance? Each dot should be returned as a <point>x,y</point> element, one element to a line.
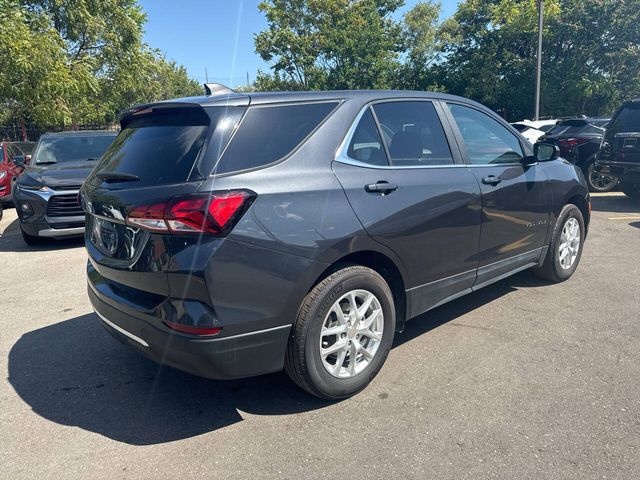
<point>9,170</point>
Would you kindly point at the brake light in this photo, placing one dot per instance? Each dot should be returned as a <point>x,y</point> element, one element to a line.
<point>566,145</point>
<point>209,213</point>
<point>179,327</point>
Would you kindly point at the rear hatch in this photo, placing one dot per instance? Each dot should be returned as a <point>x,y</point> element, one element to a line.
<point>568,135</point>
<point>164,151</point>
<point>623,136</point>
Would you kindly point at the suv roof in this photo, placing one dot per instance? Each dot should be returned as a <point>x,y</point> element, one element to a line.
<point>277,97</point>
<point>80,133</point>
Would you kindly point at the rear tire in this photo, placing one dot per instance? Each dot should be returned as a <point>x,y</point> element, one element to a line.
<point>598,182</point>
<point>565,249</point>
<point>631,189</point>
<point>335,375</point>
<point>30,239</point>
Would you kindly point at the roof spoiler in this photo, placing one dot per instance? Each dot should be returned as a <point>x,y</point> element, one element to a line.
<point>217,89</point>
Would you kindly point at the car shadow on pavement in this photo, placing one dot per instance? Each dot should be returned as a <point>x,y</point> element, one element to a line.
<point>11,241</point>
<point>74,373</point>
<point>615,204</point>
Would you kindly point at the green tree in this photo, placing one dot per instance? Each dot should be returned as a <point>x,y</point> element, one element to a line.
<point>329,44</point>
<point>424,40</point>
<point>80,61</point>
<point>591,50</point>
<point>34,77</point>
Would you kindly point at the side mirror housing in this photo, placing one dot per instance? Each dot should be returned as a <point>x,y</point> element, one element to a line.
<point>20,161</point>
<point>545,152</point>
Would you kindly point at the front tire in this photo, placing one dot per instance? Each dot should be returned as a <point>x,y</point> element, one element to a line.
<point>565,249</point>
<point>343,334</point>
<point>598,182</point>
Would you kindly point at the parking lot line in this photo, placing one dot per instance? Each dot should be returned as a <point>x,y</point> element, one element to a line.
<point>632,217</point>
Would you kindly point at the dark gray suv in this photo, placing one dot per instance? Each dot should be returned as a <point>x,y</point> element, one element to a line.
<point>46,194</point>
<point>238,234</point>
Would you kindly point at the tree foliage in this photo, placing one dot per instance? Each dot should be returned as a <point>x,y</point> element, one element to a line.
<point>79,61</point>
<point>590,55</point>
<point>329,44</point>
<point>486,51</point>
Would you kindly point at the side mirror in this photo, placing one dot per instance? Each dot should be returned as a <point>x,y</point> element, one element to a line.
<point>545,152</point>
<point>20,161</point>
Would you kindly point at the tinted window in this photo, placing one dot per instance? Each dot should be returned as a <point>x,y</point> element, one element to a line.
<point>545,128</point>
<point>628,120</point>
<point>72,148</point>
<point>520,127</point>
<point>574,127</point>
<point>268,134</point>
<point>164,145</point>
<point>366,144</point>
<point>486,140</point>
<point>413,134</point>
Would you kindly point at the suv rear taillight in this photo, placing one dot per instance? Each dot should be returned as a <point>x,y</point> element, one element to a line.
<point>213,213</point>
<point>566,145</point>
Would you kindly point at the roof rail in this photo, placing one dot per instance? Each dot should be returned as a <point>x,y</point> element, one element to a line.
<point>216,89</point>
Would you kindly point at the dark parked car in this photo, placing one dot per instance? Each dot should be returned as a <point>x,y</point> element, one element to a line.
<point>233,235</point>
<point>579,140</point>
<point>46,195</point>
<point>12,160</point>
<point>620,152</point>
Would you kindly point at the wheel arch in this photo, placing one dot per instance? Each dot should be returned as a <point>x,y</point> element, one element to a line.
<point>383,265</point>
<point>584,205</point>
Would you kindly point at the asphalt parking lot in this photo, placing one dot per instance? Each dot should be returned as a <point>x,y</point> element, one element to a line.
<point>520,380</point>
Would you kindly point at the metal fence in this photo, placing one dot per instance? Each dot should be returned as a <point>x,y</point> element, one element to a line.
<point>31,133</point>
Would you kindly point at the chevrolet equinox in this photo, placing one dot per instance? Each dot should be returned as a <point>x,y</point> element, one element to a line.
<point>233,234</point>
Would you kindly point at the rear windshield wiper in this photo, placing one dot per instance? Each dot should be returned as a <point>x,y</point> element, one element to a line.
<point>46,162</point>
<point>117,177</point>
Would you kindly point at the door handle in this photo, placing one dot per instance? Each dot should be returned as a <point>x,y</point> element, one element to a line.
<point>491,180</point>
<point>382,187</point>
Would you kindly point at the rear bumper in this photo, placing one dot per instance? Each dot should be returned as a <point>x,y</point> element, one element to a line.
<point>626,170</point>
<point>243,355</point>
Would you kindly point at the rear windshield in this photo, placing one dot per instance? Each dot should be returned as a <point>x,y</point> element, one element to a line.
<point>164,146</point>
<point>78,148</point>
<point>627,120</point>
<point>267,134</point>
<point>574,127</point>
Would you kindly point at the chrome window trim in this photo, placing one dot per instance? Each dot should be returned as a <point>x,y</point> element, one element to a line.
<point>341,155</point>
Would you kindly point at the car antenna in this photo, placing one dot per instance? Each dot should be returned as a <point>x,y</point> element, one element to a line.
<point>217,89</point>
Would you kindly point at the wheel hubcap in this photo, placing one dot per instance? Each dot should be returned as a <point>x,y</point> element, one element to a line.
<point>569,243</point>
<point>351,333</point>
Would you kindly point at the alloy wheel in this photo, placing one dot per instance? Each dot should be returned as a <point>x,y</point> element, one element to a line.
<point>569,243</point>
<point>351,333</point>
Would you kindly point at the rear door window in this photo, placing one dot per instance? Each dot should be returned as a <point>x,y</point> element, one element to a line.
<point>366,143</point>
<point>413,134</point>
<point>270,133</point>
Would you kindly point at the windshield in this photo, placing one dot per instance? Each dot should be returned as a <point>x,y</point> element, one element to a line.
<point>72,148</point>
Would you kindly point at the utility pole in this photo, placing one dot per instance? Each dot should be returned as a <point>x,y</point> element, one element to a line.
<point>539,59</point>
<point>206,75</point>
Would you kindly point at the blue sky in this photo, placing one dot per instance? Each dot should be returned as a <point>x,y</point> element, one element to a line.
<point>216,35</point>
